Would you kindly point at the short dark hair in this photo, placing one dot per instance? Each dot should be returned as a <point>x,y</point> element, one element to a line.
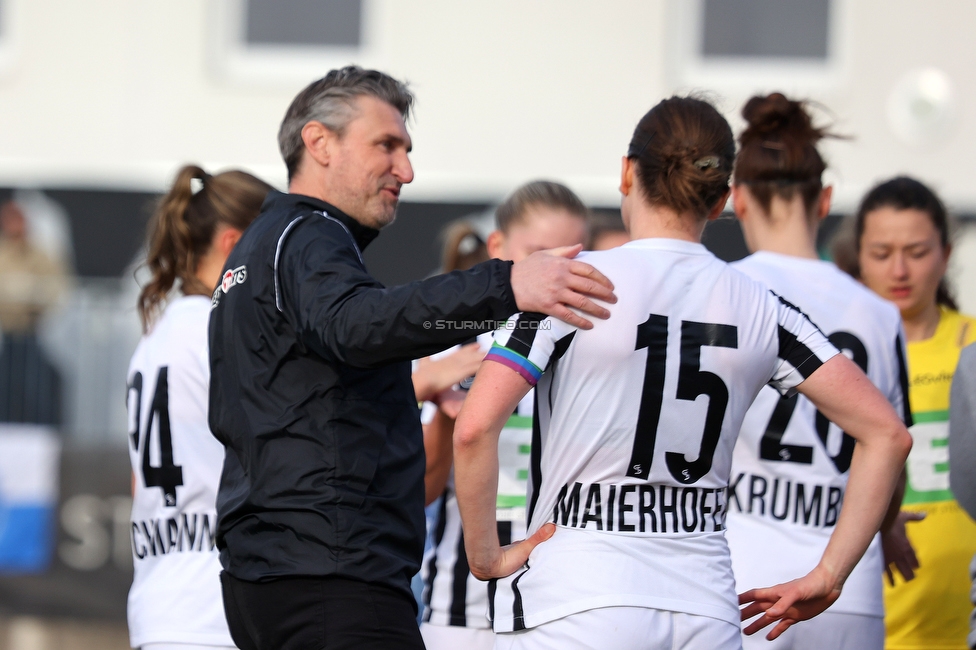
<point>545,193</point>
<point>906,193</point>
<point>684,152</point>
<point>330,101</point>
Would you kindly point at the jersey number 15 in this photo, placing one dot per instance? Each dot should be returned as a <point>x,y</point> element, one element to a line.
<point>692,382</point>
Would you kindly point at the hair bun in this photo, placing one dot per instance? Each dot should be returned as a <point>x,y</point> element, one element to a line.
<point>779,147</point>
<point>778,117</point>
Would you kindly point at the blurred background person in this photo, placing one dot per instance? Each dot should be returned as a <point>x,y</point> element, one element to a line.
<point>606,231</point>
<point>843,248</point>
<point>537,216</point>
<point>175,601</point>
<point>462,246</point>
<point>780,200</point>
<point>436,378</point>
<point>31,283</point>
<point>962,453</point>
<point>902,234</point>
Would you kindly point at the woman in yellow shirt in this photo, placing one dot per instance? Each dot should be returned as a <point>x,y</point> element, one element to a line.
<point>902,236</point>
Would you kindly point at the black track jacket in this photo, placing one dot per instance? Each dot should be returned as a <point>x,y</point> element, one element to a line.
<point>310,393</point>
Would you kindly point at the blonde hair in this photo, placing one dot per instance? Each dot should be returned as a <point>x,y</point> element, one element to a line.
<point>181,230</point>
<point>545,193</point>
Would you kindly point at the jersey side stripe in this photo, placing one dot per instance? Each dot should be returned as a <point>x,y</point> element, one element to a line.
<point>492,590</point>
<point>906,406</point>
<point>432,564</point>
<point>797,354</point>
<point>517,611</point>
<point>560,348</point>
<point>535,458</point>
<point>459,591</point>
<point>535,455</point>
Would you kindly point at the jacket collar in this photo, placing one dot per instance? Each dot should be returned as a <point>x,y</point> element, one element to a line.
<point>363,235</point>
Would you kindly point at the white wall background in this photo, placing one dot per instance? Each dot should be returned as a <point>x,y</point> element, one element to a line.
<point>118,93</point>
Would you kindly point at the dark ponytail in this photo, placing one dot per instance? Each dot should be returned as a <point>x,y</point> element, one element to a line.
<point>182,229</point>
<point>778,151</point>
<point>684,152</point>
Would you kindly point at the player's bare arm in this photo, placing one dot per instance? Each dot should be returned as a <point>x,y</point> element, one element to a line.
<point>495,393</point>
<point>846,397</point>
<point>552,283</point>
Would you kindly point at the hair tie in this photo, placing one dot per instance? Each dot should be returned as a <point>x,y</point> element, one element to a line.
<point>769,144</point>
<point>708,162</point>
<point>197,183</point>
<point>469,244</point>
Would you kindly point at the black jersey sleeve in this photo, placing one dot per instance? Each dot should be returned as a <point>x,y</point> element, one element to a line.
<point>803,348</point>
<point>529,342</point>
<point>343,313</point>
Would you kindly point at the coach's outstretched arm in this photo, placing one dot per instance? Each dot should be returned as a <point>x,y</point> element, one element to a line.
<point>842,392</point>
<point>344,313</point>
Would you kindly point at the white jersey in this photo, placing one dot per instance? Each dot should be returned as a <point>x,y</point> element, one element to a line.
<point>452,596</point>
<point>636,420</point>
<point>790,465</point>
<point>176,462</point>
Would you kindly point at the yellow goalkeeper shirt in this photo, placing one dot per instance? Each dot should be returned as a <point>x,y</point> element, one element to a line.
<point>932,611</point>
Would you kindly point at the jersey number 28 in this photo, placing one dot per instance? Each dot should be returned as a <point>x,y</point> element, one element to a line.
<point>692,382</point>
<point>168,474</point>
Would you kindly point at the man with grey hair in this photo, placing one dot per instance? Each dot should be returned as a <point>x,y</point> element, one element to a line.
<point>320,508</point>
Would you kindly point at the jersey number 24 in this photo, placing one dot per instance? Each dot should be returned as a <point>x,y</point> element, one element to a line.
<point>168,474</point>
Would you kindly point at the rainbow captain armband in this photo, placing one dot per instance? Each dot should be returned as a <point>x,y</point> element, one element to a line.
<point>529,371</point>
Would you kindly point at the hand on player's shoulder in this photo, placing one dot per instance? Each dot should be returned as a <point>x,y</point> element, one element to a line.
<point>553,283</point>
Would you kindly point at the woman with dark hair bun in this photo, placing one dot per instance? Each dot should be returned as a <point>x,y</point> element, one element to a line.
<point>635,421</point>
<point>791,465</point>
<point>175,602</point>
<point>902,235</point>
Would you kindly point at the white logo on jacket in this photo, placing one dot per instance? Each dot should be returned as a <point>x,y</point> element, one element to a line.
<point>230,278</point>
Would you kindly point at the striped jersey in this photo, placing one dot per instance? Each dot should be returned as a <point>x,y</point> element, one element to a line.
<point>176,463</point>
<point>452,596</point>
<point>790,464</point>
<point>635,424</point>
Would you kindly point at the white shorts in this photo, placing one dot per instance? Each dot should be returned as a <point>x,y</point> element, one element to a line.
<point>625,628</point>
<point>449,637</point>
<point>834,630</point>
